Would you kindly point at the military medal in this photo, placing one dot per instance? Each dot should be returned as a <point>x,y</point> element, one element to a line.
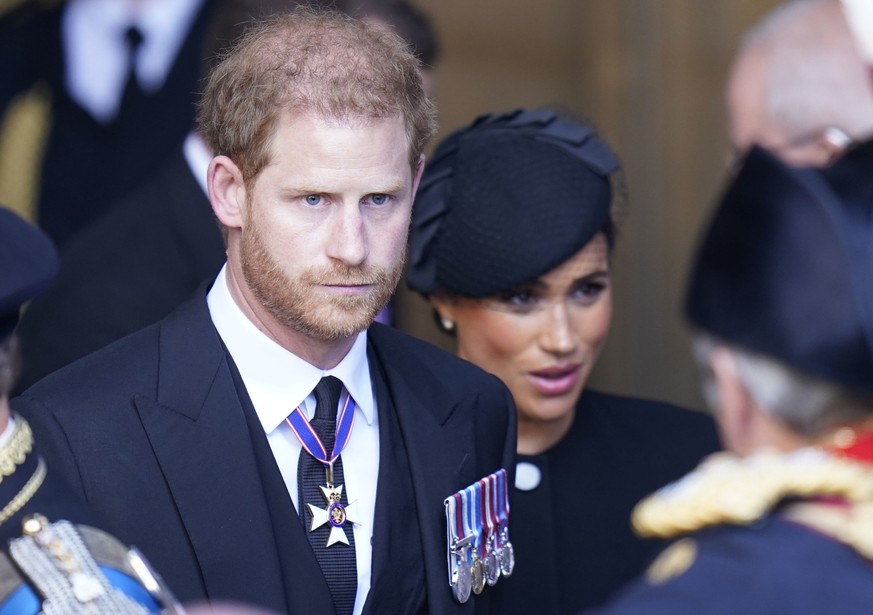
<point>460,574</point>
<point>506,555</point>
<point>473,527</point>
<point>462,578</point>
<point>492,566</point>
<point>334,513</point>
<point>477,536</point>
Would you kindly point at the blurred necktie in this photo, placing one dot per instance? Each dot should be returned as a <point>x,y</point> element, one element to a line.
<point>132,92</point>
<point>338,560</point>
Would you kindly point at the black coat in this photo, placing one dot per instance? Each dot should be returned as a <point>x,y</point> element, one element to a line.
<point>572,534</point>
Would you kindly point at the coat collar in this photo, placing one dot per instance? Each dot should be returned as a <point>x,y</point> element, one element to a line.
<point>438,444</point>
<point>198,431</point>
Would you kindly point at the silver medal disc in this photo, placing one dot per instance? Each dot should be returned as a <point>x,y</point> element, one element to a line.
<point>462,584</point>
<point>492,568</point>
<point>507,559</point>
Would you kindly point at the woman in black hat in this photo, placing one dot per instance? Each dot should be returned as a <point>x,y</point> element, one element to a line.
<point>511,241</point>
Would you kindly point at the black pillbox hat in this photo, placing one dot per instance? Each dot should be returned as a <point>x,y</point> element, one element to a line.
<point>505,200</point>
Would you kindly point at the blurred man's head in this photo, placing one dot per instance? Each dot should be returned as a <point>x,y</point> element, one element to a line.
<point>799,86</point>
<point>780,292</point>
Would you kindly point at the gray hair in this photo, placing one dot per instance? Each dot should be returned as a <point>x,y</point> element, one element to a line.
<point>10,360</point>
<point>815,76</point>
<point>807,405</point>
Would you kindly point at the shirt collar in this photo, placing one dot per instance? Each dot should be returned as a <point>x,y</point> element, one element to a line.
<point>96,53</point>
<point>198,156</point>
<point>277,380</point>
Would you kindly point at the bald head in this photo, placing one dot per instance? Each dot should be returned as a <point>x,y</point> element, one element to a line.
<point>799,86</point>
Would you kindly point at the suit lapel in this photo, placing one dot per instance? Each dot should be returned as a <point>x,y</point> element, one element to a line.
<point>439,449</point>
<point>200,438</point>
<point>396,532</point>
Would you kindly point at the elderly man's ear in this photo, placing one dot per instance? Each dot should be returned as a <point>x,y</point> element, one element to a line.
<point>743,425</point>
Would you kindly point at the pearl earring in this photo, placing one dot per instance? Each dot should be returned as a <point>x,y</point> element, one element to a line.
<point>448,325</point>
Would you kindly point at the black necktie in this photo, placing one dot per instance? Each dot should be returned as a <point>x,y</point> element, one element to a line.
<point>337,561</point>
<point>132,91</point>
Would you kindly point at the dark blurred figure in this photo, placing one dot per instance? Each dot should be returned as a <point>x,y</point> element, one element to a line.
<point>48,561</point>
<point>121,76</point>
<point>781,300</point>
<point>126,270</point>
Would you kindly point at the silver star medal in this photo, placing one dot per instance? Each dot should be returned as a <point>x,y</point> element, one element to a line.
<point>335,514</point>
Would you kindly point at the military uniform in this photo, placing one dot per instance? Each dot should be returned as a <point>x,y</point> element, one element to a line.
<point>52,559</point>
<point>52,564</point>
<point>772,533</point>
<point>781,285</point>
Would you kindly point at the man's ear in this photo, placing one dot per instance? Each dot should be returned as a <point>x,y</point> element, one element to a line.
<point>227,191</point>
<point>736,412</point>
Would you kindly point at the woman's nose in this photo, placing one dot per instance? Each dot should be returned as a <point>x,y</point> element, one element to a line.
<point>558,334</point>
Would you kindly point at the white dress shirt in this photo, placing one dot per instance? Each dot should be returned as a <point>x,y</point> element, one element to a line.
<point>277,381</point>
<point>93,35</point>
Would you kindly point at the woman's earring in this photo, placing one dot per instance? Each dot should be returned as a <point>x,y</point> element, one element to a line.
<point>448,325</point>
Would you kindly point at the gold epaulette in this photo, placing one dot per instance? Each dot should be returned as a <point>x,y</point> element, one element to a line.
<point>851,525</point>
<point>726,489</point>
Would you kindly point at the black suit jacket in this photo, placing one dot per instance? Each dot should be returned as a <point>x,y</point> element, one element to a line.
<point>151,432</point>
<point>129,269</point>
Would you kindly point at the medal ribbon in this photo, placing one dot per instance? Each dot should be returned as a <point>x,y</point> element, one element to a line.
<point>484,513</point>
<point>459,516</point>
<point>475,518</point>
<point>310,441</point>
<point>493,501</point>
<point>467,517</point>
<point>488,510</point>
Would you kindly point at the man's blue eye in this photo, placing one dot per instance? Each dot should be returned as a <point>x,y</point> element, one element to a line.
<point>379,199</point>
<point>313,199</point>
